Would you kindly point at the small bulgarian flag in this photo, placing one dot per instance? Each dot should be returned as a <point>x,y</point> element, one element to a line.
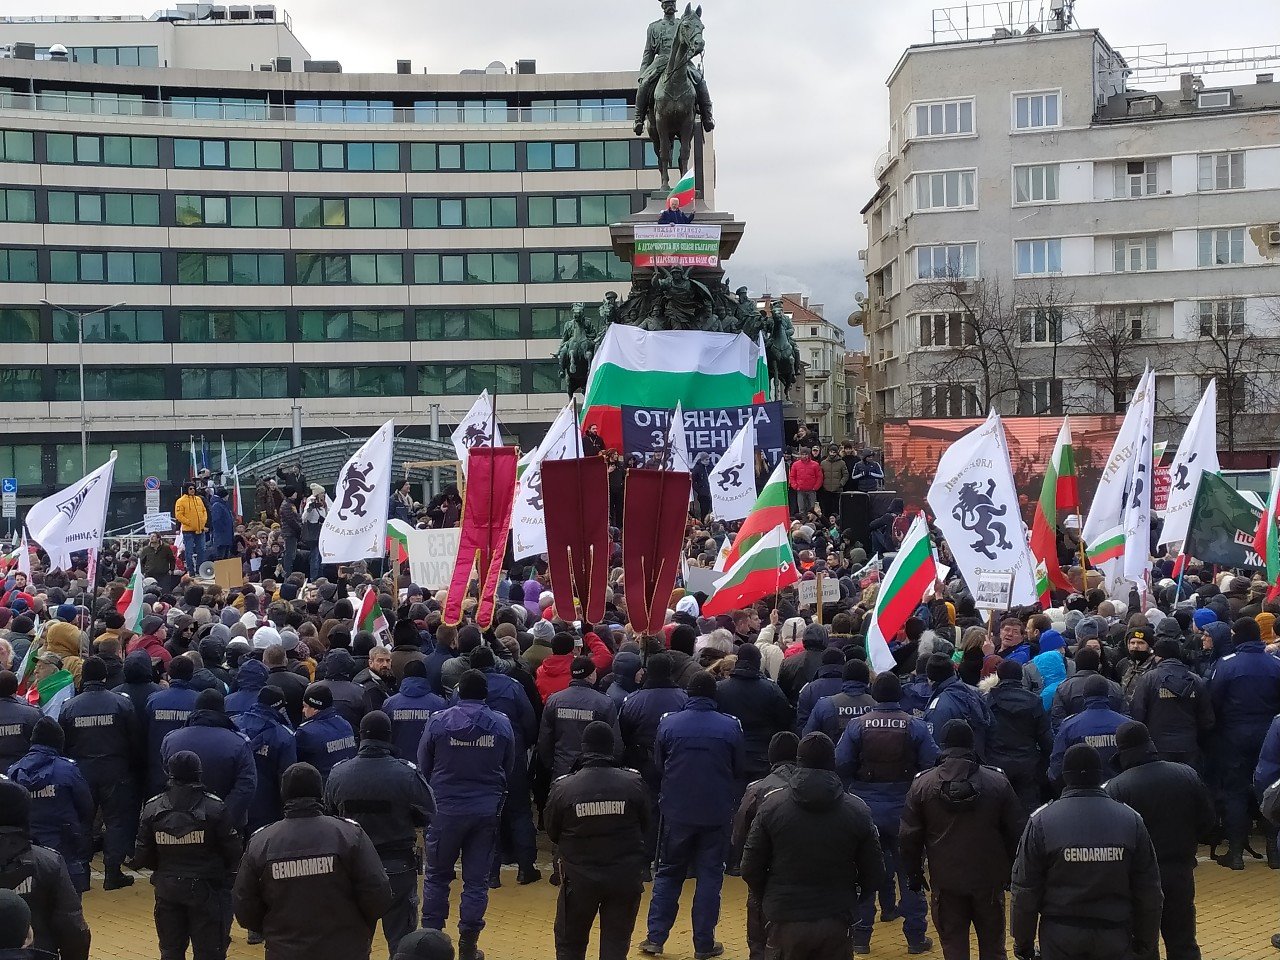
<point>912,572</point>
<point>764,569</point>
<point>370,616</point>
<point>1058,492</point>
<point>398,540</point>
<point>1266,539</point>
<point>130,603</point>
<point>772,509</point>
<point>1108,546</point>
<point>684,189</point>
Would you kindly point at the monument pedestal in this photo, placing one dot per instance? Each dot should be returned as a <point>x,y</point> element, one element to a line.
<point>623,236</point>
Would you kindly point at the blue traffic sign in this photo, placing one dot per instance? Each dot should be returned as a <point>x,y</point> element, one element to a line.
<point>9,485</point>
<point>152,483</point>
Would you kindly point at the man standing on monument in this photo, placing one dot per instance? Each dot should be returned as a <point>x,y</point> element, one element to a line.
<point>657,51</point>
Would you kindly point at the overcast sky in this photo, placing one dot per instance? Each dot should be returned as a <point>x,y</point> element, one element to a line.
<point>801,106</point>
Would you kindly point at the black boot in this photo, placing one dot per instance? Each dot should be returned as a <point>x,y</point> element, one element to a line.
<point>642,110</point>
<point>1233,859</point>
<point>467,946</point>
<point>704,107</point>
<point>116,879</point>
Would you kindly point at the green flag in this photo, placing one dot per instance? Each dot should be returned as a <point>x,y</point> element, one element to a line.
<point>1222,525</point>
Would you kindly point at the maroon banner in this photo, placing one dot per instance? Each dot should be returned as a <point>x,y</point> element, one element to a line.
<point>486,520</point>
<point>576,509</point>
<point>655,505</point>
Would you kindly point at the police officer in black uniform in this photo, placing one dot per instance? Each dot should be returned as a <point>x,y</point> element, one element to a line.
<point>1173,701</point>
<point>186,838</point>
<point>1085,873</point>
<point>599,815</point>
<point>17,719</point>
<point>391,800</point>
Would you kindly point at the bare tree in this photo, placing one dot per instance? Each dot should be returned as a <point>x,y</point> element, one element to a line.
<point>1244,362</point>
<point>1109,352</point>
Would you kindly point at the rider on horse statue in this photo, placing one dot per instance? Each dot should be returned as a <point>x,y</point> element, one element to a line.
<point>657,51</point>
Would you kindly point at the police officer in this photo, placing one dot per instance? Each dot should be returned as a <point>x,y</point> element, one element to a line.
<point>1174,703</point>
<point>101,732</point>
<point>312,884</point>
<point>638,720</point>
<point>1019,741</point>
<point>226,761</point>
<point>699,755</point>
<point>877,757</point>
<point>1085,873</point>
<point>389,798</point>
<point>39,876</point>
<point>760,707</point>
<point>411,708</point>
<point>61,801</point>
<point>966,819</point>
<point>266,725</point>
<point>166,711</point>
<point>187,839</point>
<point>467,754</point>
<point>17,720</point>
<point>325,738</point>
<point>567,713</point>
<point>1178,812</point>
<point>598,815</point>
<point>1095,725</point>
<point>827,682</point>
<point>953,699</point>
<point>832,714</point>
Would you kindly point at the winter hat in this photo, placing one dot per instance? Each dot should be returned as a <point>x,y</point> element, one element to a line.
<point>817,752</point>
<point>702,684</point>
<point>1081,766</point>
<point>1168,629</point>
<point>301,781</point>
<point>938,669</point>
<point>425,945</point>
<point>957,734</point>
<point>1051,640</point>
<point>832,657</point>
<point>783,746</point>
<point>289,639</point>
<point>659,667</point>
<point>48,733</point>
<point>597,737</point>
<point>542,632</point>
<point>581,668</point>
<point>482,658</point>
<point>473,685</point>
<point>93,670</point>
<point>815,637</point>
<point>749,655</point>
<point>318,697</point>
<point>15,920</point>
<point>1010,670</point>
<point>1095,686</point>
<point>15,805</point>
<point>1246,630</point>
<point>1266,626</point>
<point>210,699</point>
<point>184,767</point>
<point>1087,629</point>
<point>405,634</point>
<point>272,697</point>
<point>415,668</point>
<point>562,644</point>
<point>265,637</point>
<point>375,725</point>
<point>150,625</point>
<point>229,616</point>
<point>626,665</point>
<point>886,688</point>
<point>856,671</point>
<point>67,612</point>
<point>1168,649</point>
<point>1203,617</point>
<point>1132,733</point>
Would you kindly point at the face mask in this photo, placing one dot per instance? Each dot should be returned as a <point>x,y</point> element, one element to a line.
<point>1139,656</point>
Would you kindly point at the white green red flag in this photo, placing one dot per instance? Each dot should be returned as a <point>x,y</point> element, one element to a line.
<point>194,469</point>
<point>130,603</point>
<point>1197,453</point>
<point>685,189</point>
<point>1059,492</point>
<point>1108,545</point>
<point>764,569</point>
<point>912,572</point>
<point>398,540</point>
<point>772,509</point>
<point>1266,540</point>
<point>370,616</point>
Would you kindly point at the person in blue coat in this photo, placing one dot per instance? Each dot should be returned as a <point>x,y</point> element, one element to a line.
<point>226,762</point>
<point>410,709</point>
<point>700,757</point>
<point>826,683</point>
<point>250,678</point>
<point>953,699</point>
<point>466,755</point>
<point>222,525</point>
<point>166,711</point>
<point>917,691</point>
<point>61,802</point>
<point>324,738</point>
<point>833,713</point>
<point>1095,725</point>
<point>266,725</point>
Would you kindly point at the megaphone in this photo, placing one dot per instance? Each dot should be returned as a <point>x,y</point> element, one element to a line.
<point>206,570</point>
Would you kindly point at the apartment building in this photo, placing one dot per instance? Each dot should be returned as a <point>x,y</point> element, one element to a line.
<point>818,396</point>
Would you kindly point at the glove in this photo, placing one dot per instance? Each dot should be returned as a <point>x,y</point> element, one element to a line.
<point>917,883</point>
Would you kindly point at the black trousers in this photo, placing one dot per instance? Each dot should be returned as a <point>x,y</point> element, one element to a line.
<point>1058,941</point>
<point>189,911</point>
<point>117,802</point>
<point>954,911</point>
<point>401,918</point>
<point>576,911</point>
<point>757,932</point>
<point>825,939</point>
<point>1178,919</point>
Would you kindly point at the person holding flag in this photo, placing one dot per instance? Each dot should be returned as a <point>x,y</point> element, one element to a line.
<point>1059,493</point>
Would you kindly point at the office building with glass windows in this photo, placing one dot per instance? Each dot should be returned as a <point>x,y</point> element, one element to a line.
<point>279,233</point>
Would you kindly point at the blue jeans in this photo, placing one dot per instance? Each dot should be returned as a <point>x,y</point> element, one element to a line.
<point>681,846</point>
<point>450,836</point>
<point>193,544</point>
<point>910,904</point>
<point>288,553</point>
<point>313,561</point>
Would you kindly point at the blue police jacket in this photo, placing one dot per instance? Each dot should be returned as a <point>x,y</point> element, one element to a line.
<point>409,710</point>
<point>916,694</point>
<point>1095,725</point>
<point>826,684</point>
<point>102,733</point>
<point>885,799</point>
<point>507,696</point>
<point>1267,771</point>
<point>699,755</point>
<point>954,699</point>
<point>227,769</point>
<point>435,660</point>
<point>1245,688</point>
<point>274,752</point>
<point>638,719</point>
<point>61,806</point>
<point>467,755</point>
<point>324,740</point>
<point>825,717</point>
<point>250,679</point>
<point>166,711</point>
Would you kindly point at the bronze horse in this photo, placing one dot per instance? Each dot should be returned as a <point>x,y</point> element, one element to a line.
<point>674,98</point>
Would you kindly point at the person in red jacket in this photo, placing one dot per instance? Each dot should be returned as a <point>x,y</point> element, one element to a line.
<point>553,672</point>
<point>805,478</point>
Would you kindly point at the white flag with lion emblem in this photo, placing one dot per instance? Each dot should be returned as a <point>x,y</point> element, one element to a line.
<point>356,525</point>
<point>975,505</point>
<point>733,478</point>
<point>479,428</point>
<point>73,519</point>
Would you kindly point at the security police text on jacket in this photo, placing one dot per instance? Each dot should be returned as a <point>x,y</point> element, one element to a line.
<point>760,706</point>
<point>567,713</point>
<point>411,708</point>
<point>266,725</point>
<point>508,697</point>
<point>641,713</point>
<point>166,711</point>
<point>17,720</point>
<point>1019,741</point>
<point>312,884</point>
<point>468,777</point>
<point>1095,725</point>
<point>324,738</point>
<point>953,699</point>
<point>229,771</point>
<point>1068,698</point>
<point>1174,704</point>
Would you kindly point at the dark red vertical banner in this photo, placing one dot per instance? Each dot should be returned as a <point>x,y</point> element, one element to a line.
<point>486,521</point>
<point>655,506</point>
<point>576,509</point>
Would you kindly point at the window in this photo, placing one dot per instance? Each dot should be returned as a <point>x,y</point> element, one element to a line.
<point>98,266</point>
<point>1221,171</point>
<point>133,460</point>
<point>461,111</point>
<point>353,268</point>
<point>314,212</point>
<point>17,146</point>
<point>1039,397</point>
<point>23,461</point>
<point>219,108</point>
<point>352,381</point>
<point>114,326</point>
<point>232,326</point>
<point>579,155</point>
<point>18,384</point>
<point>947,261</point>
<point>236,210</point>
<point>546,377</point>
<point>357,157</point>
<point>237,269</point>
<point>1040,325</point>
<point>586,211</point>
<point>127,209</point>
<point>1037,258</point>
<point>1219,248</point>
<point>18,266</point>
<point>945,330</point>
<point>100,102</point>
<point>1134,254</point>
<point>344,111</point>
<point>477,157</point>
<point>19,325</point>
<point>117,56</point>
<point>18,206</point>
<point>319,325</point>
<point>453,379</point>
<point>1214,98</point>
<point>110,383</point>
<point>1036,184</point>
<point>547,322</point>
<point>469,323</point>
<point>952,188</point>
<point>431,212</point>
<point>1221,318</point>
<point>1032,111</point>
<point>466,268</point>
<point>575,110</point>
<point>949,400</point>
<point>104,151</point>
<point>228,154</point>
<point>233,383</point>
<point>1136,178</point>
<point>589,266</point>
<point>1135,321</point>
<point>945,118</point>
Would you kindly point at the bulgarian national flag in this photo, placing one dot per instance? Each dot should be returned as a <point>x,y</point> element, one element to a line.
<point>1266,540</point>
<point>684,189</point>
<point>398,540</point>
<point>912,572</point>
<point>771,509</point>
<point>1058,492</point>
<point>1108,546</point>
<point>764,569</point>
<point>130,603</point>
<point>370,616</point>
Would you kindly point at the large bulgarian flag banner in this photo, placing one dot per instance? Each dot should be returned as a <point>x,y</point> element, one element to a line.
<point>764,569</point>
<point>1059,492</point>
<point>658,369</point>
<point>913,571</point>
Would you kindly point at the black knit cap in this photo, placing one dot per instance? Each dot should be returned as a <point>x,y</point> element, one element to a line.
<point>15,920</point>
<point>702,684</point>
<point>48,733</point>
<point>1132,733</point>
<point>1081,766</point>
<point>1168,649</point>
<point>658,668</point>
<point>832,656</point>
<point>15,805</point>
<point>886,688</point>
<point>272,697</point>
<point>581,668</point>
<point>939,668</point>
<point>1009,670</point>
<point>425,945</point>
<point>318,697</point>
<point>857,671</point>
<point>211,699</point>
<point>300,781</point>
<point>957,734</point>
<point>184,767</point>
<point>473,685</point>
<point>93,670</point>
<point>375,725</point>
<point>597,737</point>
<point>817,752</point>
<point>482,658</point>
<point>783,747</point>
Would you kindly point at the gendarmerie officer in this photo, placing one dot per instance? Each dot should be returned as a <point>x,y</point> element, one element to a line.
<point>390,799</point>
<point>17,720</point>
<point>599,816</point>
<point>324,739</point>
<point>1085,873</point>
<point>187,839</point>
<point>312,884</point>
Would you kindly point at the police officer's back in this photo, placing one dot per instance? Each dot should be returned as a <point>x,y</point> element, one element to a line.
<point>641,713</point>
<point>324,738</point>
<point>1174,703</point>
<point>760,706</point>
<point>165,712</point>
<point>1095,725</point>
<point>312,884</point>
<point>17,720</point>
<point>567,713</point>
<point>187,839</point>
<point>953,699</point>
<point>832,714</point>
<point>226,761</point>
<point>1019,741</point>
<point>411,708</point>
<point>1085,872</point>
<point>266,724</point>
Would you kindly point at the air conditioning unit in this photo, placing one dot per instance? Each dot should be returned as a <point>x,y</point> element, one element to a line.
<point>1273,236</point>
<point>862,255</point>
<point>966,287</point>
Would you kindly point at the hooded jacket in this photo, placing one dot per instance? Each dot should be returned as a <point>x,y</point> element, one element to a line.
<point>953,699</point>
<point>1050,671</point>
<point>139,682</point>
<point>467,755</point>
<point>1019,741</point>
<point>1174,704</point>
<point>553,674</point>
<point>825,683</point>
<point>779,776</point>
<point>348,696</point>
<point>274,751</point>
<point>1170,797</point>
<point>57,920</point>
<point>250,679</point>
<point>798,670</point>
<point>762,710</point>
<point>409,711</point>
<point>1095,725</point>
<point>227,767</point>
<point>638,720</point>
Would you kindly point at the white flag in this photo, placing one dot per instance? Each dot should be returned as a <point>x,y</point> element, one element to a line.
<point>1137,510</point>
<point>679,443</point>
<point>1107,512</point>
<point>733,478</point>
<point>224,467</point>
<point>356,526</point>
<point>528,524</point>
<point>73,519</point>
<point>975,505</point>
<point>24,556</point>
<point>1197,453</point>
<point>475,429</point>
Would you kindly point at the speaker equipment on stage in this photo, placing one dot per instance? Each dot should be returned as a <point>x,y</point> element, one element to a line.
<point>855,516</point>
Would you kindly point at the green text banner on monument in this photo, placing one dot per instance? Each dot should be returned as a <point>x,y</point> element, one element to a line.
<point>677,245</point>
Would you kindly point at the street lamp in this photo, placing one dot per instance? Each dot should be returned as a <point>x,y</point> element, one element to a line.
<point>80,316</point>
